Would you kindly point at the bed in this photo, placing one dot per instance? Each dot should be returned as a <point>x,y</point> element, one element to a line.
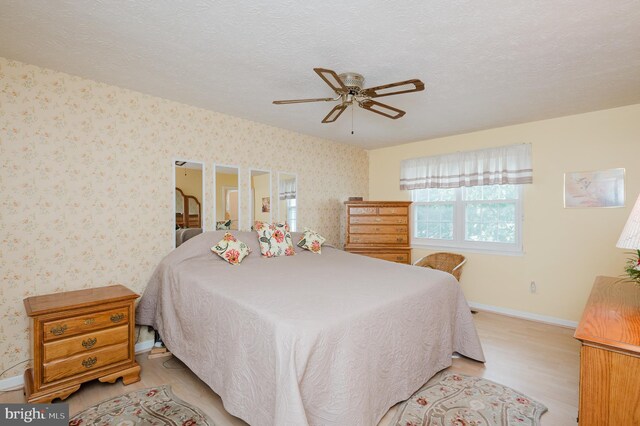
<point>329,339</point>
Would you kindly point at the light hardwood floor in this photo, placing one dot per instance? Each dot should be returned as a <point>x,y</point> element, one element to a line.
<point>539,360</point>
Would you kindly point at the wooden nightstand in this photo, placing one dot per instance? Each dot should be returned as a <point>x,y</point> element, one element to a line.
<point>79,336</point>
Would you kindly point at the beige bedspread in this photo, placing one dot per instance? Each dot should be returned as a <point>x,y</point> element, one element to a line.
<point>330,339</point>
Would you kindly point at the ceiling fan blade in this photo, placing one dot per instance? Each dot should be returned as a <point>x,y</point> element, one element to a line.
<point>407,86</point>
<point>335,113</point>
<point>299,101</point>
<point>331,78</point>
<point>382,109</point>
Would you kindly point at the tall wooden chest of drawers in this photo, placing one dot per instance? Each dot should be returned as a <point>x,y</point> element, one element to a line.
<point>379,229</point>
<point>610,355</point>
<point>79,336</point>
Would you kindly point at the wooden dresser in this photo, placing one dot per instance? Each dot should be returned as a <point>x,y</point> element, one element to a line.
<point>79,336</point>
<point>379,229</point>
<point>610,355</point>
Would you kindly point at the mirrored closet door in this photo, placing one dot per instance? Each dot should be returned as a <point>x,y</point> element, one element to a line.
<point>287,200</point>
<point>189,199</point>
<point>227,197</point>
<point>260,196</point>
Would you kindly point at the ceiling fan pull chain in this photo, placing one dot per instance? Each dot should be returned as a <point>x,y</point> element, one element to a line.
<point>352,108</point>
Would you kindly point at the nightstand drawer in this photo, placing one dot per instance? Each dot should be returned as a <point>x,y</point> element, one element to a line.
<point>84,343</point>
<point>89,361</point>
<point>85,323</point>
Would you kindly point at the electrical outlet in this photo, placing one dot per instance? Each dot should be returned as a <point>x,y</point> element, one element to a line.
<point>532,287</point>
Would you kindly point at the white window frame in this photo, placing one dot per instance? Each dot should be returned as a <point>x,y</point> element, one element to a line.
<point>287,207</point>
<point>293,223</point>
<point>458,242</point>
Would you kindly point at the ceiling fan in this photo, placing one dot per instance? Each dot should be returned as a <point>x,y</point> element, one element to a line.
<point>349,91</point>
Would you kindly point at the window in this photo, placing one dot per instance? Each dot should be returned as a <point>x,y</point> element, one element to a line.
<point>291,214</point>
<point>480,217</point>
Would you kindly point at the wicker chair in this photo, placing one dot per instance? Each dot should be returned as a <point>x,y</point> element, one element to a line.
<point>447,262</point>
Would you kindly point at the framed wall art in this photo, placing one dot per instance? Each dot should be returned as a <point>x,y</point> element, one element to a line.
<point>266,204</point>
<point>600,188</point>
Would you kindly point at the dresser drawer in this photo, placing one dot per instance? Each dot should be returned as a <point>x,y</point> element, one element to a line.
<point>363,210</point>
<point>378,229</point>
<point>85,342</point>
<point>378,239</point>
<point>393,211</point>
<point>393,257</point>
<point>378,220</point>
<point>85,323</point>
<point>81,363</point>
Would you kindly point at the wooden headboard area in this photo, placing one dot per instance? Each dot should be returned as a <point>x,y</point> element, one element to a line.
<point>188,210</point>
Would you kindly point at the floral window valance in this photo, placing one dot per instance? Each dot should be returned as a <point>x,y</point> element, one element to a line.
<point>494,166</point>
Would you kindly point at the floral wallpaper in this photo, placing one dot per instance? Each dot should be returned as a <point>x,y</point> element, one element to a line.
<point>86,178</point>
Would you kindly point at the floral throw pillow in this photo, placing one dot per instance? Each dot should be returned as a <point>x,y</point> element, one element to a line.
<point>311,241</point>
<point>223,224</point>
<point>275,239</point>
<point>230,249</point>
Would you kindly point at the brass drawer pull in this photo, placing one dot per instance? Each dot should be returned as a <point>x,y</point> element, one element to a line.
<point>88,344</point>
<point>90,362</point>
<point>117,317</point>
<point>89,321</point>
<point>59,330</point>
<point>378,219</point>
<point>399,257</point>
<point>399,239</point>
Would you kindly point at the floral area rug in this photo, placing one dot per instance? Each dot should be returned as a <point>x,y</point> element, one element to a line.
<point>459,400</point>
<point>153,406</point>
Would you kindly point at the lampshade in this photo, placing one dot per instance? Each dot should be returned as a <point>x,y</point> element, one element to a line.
<point>630,238</point>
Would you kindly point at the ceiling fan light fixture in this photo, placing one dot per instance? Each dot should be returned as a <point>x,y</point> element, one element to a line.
<point>352,80</point>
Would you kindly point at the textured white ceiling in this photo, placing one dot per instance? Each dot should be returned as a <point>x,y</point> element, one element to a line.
<point>485,64</point>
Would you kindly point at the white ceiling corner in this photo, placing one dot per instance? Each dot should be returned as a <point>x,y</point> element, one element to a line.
<point>485,64</point>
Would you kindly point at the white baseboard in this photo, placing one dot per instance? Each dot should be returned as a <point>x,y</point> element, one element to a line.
<point>17,382</point>
<point>524,315</point>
